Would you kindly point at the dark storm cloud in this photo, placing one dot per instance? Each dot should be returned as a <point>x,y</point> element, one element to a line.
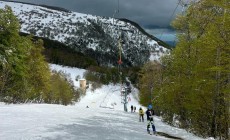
<point>147,13</point>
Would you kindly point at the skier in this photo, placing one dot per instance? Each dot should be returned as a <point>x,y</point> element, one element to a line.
<point>149,114</point>
<point>141,115</point>
<point>134,109</point>
<point>131,108</point>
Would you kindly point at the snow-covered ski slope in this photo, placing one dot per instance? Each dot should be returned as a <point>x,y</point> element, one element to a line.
<point>76,122</point>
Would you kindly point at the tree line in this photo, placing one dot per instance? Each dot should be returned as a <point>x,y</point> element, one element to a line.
<point>190,87</point>
<point>24,73</point>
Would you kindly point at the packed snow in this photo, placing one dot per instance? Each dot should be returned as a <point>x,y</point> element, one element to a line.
<point>103,120</point>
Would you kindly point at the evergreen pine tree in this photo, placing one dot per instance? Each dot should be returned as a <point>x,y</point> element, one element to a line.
<point>12,53</point>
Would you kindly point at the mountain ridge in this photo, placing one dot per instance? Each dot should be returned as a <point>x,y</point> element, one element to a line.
<point>91,35</point>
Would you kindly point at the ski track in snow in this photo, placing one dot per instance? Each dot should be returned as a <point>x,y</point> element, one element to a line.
<point>76,122</point>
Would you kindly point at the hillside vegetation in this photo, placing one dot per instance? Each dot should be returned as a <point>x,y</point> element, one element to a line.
<point>190,87</point>
<point>24,74</point>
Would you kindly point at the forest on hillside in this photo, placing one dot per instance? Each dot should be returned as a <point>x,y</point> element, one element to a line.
<point>24,72</point>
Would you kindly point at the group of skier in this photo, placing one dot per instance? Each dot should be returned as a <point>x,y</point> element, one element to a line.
<point>149,115</point>
<point>133,109</point>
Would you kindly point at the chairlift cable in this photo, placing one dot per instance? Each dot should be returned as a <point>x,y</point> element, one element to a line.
<point>120,58</point>
<point>184,5</point>
<point>171,16</point>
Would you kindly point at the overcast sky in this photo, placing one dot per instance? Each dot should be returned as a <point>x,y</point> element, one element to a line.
<point>150,14</point>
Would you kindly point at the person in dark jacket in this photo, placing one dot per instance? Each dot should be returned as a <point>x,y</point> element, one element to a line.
<point>149,113</point>
<point>131,108</point>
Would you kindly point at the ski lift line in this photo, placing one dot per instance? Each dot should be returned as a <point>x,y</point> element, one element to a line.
<point>119,48</point>
<point>108,94</point>
<point>118,7</point>
<point>171,16</point>
<point>117,11</point>
<point>185,4</point>
<point>107,107</point>
<point>119,45</point>
<point>103,101</point>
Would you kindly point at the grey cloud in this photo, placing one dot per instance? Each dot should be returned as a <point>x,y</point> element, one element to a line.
<point>144,12</point>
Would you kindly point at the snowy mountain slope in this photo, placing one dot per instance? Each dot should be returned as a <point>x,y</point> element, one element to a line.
<point>76,122</point>
<point>88,34</point>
